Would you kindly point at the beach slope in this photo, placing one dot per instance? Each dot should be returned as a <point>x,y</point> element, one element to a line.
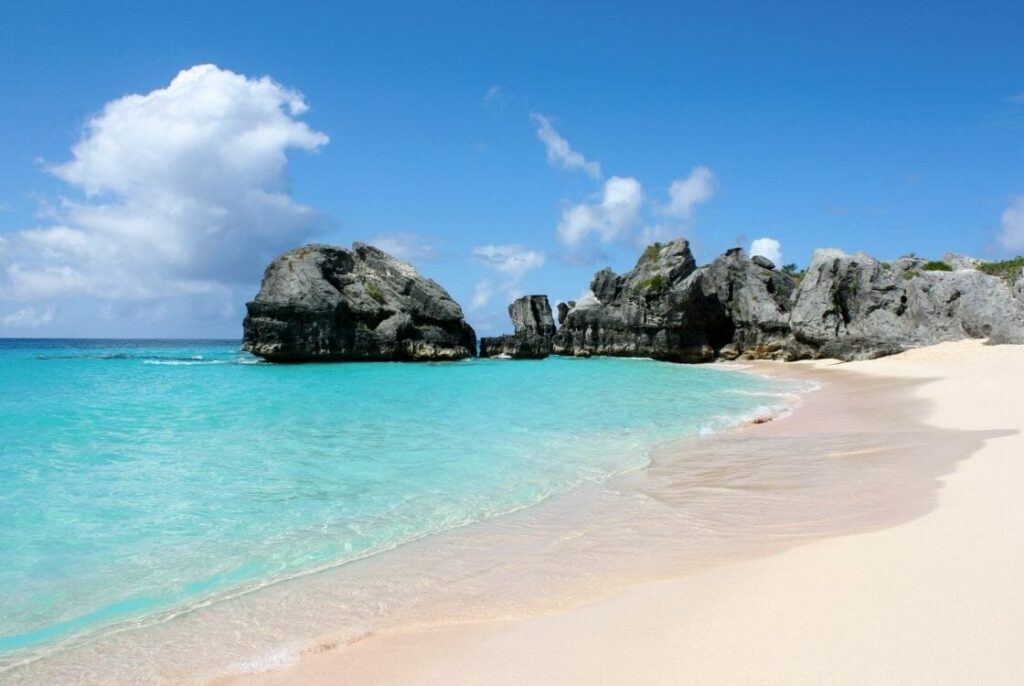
<point>934,600</point>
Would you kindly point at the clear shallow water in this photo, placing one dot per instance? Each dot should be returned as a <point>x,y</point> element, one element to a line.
<point>139,479</point>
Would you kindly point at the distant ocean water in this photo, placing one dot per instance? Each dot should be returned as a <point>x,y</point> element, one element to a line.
<point>141,478</point>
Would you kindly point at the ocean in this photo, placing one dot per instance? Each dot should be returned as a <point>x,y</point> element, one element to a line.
<point>143,480</point>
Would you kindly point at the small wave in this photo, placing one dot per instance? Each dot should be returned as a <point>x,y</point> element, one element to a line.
<point>265,663</point>
<point>186,363</point>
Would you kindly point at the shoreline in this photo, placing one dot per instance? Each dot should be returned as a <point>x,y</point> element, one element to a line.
<point>497,650</point>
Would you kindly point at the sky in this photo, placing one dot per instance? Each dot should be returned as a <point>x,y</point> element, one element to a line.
<point>154,157</point>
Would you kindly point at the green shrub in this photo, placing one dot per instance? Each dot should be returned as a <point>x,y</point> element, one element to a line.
<point>374,292</point>
<point>909,274</point>
<point>1007,270</point>
<point>792,270</point>
<point>650,253</point>
<point>936,266</point>
<point>655,283</point>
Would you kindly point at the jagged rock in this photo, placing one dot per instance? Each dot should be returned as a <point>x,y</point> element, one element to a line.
<point>756,300</point>
<point>533,326</point>
<point>846,306</point>
<point>855,307</point>
<point>957,261</point>
<point>322,302</point>
<point>531,314</point>
<point>563,310</point>
<point>669,309</point>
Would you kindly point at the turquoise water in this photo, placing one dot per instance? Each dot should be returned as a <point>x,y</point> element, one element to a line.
<point>138,478</point>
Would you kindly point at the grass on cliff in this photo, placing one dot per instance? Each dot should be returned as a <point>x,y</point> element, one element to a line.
<point>374,292</point>
<point>650,254</point>
<point>936,266</point>
<point>1008,270</point>
<point>655,283</point>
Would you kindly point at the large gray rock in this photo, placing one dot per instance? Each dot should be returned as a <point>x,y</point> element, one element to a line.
<point>531,314</point>
<point>856,307</point>
<point>846,306</point>
<point>533,328</point>
<point>668,308</point>
<point>322,302</point>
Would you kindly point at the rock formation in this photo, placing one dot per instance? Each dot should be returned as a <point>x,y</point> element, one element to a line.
<point>533,328</point>
<point>856,307</point>
<point>845,306</point>
<point>322,302</point>
<point>670,309</point>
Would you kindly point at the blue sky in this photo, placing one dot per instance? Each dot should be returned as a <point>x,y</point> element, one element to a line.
<point>859,126</point>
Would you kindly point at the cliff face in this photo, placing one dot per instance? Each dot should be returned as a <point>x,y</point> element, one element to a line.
<point>322,302</point>
<point>846,306</point>
<point>855,307</point>
<point>668,308</point>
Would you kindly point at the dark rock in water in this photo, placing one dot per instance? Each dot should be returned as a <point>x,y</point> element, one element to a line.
<point>563,310</point>
<point>533,326</point>
<point>519,347</point>
<point>322,302</point>
<point>855,307</point>
<point>762,261</point>
<point>531,314</point>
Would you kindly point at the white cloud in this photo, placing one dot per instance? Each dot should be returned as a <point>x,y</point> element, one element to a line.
<point>28,318</point>
<point>767,247</point>
<point>559,152</point>
<point>612,216</point>
<point>405,246</point>
<point>512,260</point>
<point>186,191</point>
<point>494,96</point>
<point>685,194</point>
<point>1011,224</point>
<point>481,295</point>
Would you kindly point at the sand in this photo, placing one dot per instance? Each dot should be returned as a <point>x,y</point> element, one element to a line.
<point>936,599</point>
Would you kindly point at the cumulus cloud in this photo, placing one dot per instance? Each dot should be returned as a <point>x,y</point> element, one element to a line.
<point>185,192</point>
<point>28,318</point>
<point>405,246</point>
<point>685,194</point>
<point>767,247</point>
<point>611,216</point>
<point>559,152</point>
<point>1011,224</point>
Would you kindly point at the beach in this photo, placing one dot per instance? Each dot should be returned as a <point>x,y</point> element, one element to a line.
<point>920,586</point>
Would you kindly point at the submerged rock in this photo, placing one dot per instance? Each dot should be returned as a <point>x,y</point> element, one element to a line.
<point>322,302</point>
<point>533,328</point>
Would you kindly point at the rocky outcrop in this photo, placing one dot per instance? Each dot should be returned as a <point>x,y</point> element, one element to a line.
<point>856,307</point>
<point>533,328</point>
<point>668,308</point>
<point>845,306</point>
<point>322,302</point>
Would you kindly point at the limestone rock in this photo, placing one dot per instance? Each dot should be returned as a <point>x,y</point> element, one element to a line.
<point>533,328</point>
<point>323,302</point>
